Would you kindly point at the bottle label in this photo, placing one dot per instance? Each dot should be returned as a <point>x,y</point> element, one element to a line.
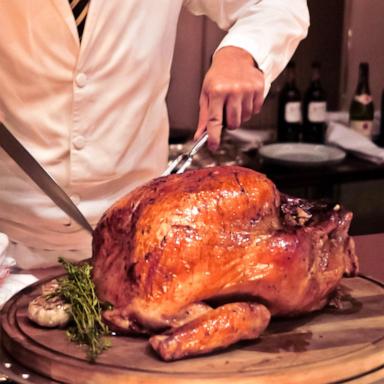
<point>364,99</point>
<point>364,127</point>
<point>317,111</point>
<point>293,112</point>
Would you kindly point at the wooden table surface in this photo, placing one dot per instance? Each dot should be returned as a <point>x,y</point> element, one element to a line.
<point>351,169</point>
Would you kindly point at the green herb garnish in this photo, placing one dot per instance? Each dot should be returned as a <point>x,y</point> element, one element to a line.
<point>78,289</point>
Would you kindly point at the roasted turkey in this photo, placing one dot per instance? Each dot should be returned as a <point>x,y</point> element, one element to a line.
<point>201,260</point>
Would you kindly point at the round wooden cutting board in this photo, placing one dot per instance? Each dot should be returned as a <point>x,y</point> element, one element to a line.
<point>331,346</point>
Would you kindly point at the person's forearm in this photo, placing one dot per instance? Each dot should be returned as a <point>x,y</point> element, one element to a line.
<point>265,32</point>
<point>270,30</point>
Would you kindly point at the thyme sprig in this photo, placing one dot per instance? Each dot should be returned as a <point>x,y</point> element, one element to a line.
<point>88,328</point>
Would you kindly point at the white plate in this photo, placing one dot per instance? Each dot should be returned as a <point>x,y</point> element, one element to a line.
<point>301,154</point>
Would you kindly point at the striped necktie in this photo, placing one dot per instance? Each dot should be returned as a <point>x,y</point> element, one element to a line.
<point>80,10</point>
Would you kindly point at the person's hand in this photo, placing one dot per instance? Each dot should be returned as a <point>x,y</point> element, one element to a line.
<point>233,85</point>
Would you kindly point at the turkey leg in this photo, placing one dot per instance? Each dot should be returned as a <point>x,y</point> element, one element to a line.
<point>215,329</point>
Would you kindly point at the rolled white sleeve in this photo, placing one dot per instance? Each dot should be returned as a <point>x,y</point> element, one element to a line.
<point>270,30</point>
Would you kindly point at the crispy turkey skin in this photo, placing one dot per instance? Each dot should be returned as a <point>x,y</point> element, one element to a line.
<point>203,259</point>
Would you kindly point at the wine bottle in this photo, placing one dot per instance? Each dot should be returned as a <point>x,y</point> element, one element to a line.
<point>314,109</point>
<point>361,110</point>
<point>289,109</point>
<point>380,138</point>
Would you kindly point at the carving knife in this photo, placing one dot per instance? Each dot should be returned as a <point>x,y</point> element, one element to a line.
<point>184,160</point>
<point>40,176</point>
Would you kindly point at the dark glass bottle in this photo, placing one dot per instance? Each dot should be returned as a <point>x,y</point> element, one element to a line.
<point>289,109</point>
<point>380,138</point>
<point>361,110</point>
<point>314,109</point>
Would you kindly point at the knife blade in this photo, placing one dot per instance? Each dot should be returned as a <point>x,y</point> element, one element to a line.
<point>40,176</point>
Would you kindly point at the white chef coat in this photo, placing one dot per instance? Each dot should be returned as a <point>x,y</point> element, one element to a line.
<point>94,114</point>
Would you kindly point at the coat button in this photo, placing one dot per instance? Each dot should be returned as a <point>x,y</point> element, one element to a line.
<point>81,79</point>
<point>79,142</point>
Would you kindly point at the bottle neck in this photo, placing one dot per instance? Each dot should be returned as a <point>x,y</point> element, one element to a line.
<point>316,76</point>
<point>291,78</point>
<point>382,113</point>
<point>363,83</point>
